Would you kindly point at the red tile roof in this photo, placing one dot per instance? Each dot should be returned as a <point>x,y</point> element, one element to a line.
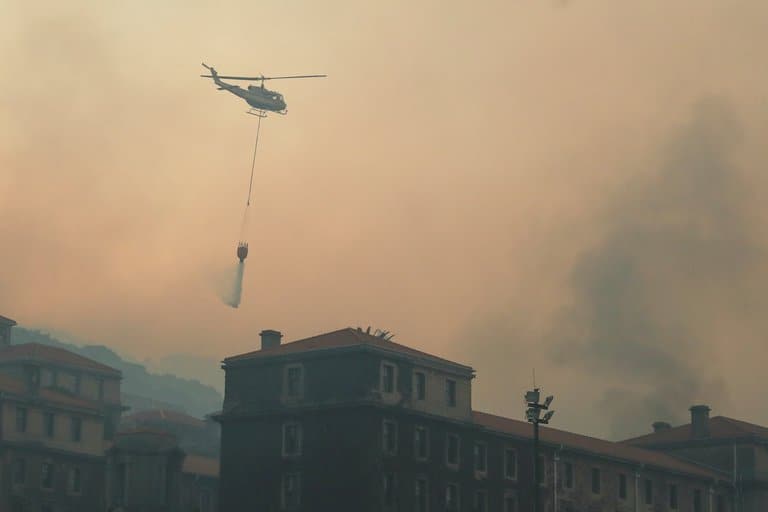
<point>164,415</point>
<point>347,337</point>
<point>199,465</point>
<point>17,387</point>
<point>40,352</point>
<point>598,447</point>
<point>720,427</point>
<point>7,321</point>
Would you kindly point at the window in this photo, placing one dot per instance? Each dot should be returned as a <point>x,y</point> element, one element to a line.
<point>294,385</point>
<point>291,490</point>
<point>622,486</point>
<point>21,419</point>
<point>388,490</point>
<point>452,450</point>
<point>510,502</point>
<point>387,378</point>
<point>697,500</point>
<point>46,477</point>
<point>541,470</point>
<point>568,475</point>
<point>420,385</point>
<point>595,481</point>
<point>19,471</point>
<point>510,464</point>
<point>481,501</point>
<point>452,497</point>
<point>673,497</point>
<point>77,429</point>
<point>450,392</point>
<point>422,495</point>
<point>205,500</point>
<point>389,437</point>
<point>47,378</point>
<point>291,439</point>
<point>481,458</point>
<point>421,443</point>
<point>75,480</point>
<point>101,390</point>
<point>49,424</point>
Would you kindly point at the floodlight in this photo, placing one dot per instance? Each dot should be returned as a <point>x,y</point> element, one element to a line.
<point>548,401</point>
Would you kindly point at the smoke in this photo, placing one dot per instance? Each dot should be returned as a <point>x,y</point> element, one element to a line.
<point>235,293</point>
<point>678,265</point>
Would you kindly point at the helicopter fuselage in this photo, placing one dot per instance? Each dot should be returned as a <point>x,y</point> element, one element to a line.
<point>259,98</point>
<point>264,99</point>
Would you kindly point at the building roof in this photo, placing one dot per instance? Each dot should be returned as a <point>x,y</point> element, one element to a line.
<point>348,337</point>
<point>200,465</point>
<point>598,447</point>
<point>165,416</point>
<point>4,320</point>
<point>14,386</point>
<point>55,355</point>
<point>146,440</point>
<point>720,427</point>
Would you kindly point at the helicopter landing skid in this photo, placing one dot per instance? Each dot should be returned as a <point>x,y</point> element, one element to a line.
<point>257,113</point>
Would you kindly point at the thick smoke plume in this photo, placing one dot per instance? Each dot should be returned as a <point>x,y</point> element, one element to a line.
<point>677,266</point>
<point>235,293</point>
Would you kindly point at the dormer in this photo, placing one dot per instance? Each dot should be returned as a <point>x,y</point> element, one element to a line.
<point>5,331</point>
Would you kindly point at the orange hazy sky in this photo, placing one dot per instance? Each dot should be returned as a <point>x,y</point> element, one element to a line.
<point>571,185</point>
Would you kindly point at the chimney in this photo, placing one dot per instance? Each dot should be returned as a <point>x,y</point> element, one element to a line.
<point>658,426</point>
<point>270,338</point>
<point>699,421</point>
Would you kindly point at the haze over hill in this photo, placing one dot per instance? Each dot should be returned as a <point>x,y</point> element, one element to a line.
<point>184,393</point>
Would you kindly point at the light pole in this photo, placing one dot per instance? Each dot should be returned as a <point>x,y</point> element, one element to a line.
<point>533,415</point>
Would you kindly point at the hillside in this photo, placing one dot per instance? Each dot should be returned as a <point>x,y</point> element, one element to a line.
<point>188,395</point>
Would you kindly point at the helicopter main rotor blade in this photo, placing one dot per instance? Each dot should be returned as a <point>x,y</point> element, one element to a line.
<point>295,76</point>
<point>262,78</point>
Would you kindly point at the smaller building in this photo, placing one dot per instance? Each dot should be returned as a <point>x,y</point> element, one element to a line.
<point>147,471</point>
<point>733,447</point>
<point>144,472</point>
<point>200,483</point>
<point>196,436</point>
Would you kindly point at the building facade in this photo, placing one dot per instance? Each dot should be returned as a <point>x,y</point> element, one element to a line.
<point>351,421</point>
<point>62,448</point>
<point>58,413</point>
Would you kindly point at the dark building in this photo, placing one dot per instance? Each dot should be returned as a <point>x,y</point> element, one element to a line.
<point>348,421</point>
<point>734,447</point>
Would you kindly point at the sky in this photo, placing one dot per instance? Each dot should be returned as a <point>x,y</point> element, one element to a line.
<point>573,187</point>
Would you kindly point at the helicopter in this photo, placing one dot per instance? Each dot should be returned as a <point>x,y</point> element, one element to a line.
<point>260,99</point>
